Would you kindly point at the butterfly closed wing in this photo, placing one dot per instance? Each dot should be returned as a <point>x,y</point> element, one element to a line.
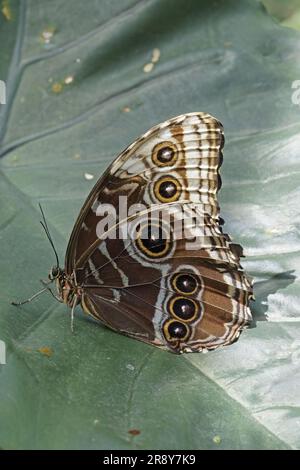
<point>162,271</point>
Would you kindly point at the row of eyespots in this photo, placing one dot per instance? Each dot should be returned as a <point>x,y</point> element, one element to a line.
<point>183,309</point>
<point>167,188</point>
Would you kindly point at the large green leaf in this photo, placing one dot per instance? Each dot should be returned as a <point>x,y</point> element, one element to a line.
<point>228,58</point>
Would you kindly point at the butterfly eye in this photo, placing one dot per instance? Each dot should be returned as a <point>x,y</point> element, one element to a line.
<point>153,240</point>
<point>167,189</point>
<point>175,330</point>
<point>53,273</point>
<point>184,309</point>
<point>185,283</point>
<point>164,154</point>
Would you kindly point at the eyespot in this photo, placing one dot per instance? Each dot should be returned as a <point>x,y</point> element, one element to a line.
<point>153,240</point>
<point>164,154</point>
<point>183,309</point>
<point>167,189</point>
<point>185,283</point>
<point>175,330</point>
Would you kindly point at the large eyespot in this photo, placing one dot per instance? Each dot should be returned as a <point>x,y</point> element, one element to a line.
<point>175,330</point>
<point>153,240</point>
<point>183,308</point>
<point>185,283</point>
<point>164,154</point>
<point>167,189</point>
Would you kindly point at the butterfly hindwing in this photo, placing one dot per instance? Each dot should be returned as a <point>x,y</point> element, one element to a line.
<point>156,292</point>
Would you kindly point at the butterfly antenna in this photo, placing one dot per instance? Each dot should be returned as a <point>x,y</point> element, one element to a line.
<point>47,232</point>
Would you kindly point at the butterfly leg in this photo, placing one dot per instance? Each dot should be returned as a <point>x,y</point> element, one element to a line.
<point>46,288</point>
<point>45,283</point>
<point>30,298</point>
<point>72,312</point>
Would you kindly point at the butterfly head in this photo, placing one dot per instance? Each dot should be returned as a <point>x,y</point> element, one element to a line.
<point>55,273</point>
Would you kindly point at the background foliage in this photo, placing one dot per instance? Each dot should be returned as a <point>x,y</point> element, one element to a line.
<point>78,92</point>
<point>286,11</point>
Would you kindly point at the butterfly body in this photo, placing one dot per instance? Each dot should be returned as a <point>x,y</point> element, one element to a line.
<point>181,289</point>
<point>67,289</point>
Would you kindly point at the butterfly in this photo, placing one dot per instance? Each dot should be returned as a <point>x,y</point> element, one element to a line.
<point>162,271</point>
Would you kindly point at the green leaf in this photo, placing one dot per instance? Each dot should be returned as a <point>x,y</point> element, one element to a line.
<point>77,95</point>
<point>294,20</point>
<point>286,11</point>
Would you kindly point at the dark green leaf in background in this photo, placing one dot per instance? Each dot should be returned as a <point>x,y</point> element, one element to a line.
<point>77,95</point>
